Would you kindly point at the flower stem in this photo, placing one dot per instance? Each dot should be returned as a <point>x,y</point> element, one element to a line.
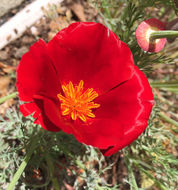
<point>51,170</point>
<point>168,119</point>
<point>170,84</point>
<point>131,174</point>
<point>164,34</point>
<point>3,99</point>
<point>22,165</point>
<point>55,184</point>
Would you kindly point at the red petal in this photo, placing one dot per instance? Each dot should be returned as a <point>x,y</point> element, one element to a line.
<point>121,118</point>
<point>29,108</point>
<point>41,118</point>
<point>36,75</point>
<point>96,132</point>
<point>53,112</point>
<point>131,104</point>
<point>76,57</point>
<point>100,133</point>
<point>92,53</point>
<point>141,35</point>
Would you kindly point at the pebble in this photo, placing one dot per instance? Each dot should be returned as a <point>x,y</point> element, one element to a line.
<point>18,54</point>
<point>27,40</point>
<point>3,55</point>
<point>34,31</point>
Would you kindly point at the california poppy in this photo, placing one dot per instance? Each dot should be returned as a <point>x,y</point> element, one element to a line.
<point>143,32</point>
<point>85,83</point>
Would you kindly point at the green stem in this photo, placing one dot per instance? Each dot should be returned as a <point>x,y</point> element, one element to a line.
<point>131,174</point>
<point>22,165</point>
<point>106,8</point>
<point>168,119</point>
<point>171,84</point>
<point>51,169</point>
<point>164,100</point>
<point>55,183</point>
<point>3,99</point>
<point>164,34</point>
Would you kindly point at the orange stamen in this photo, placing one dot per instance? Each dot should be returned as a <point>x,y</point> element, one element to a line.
<point>76,103</point>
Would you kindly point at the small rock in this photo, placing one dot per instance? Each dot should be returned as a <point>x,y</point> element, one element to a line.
<point>20,52</point>
<point>51,35</point>
<point>58,24</point>
<point>3,55</point>
<point>54,25</point>
<point>61,10</point>
<point>68,15</point>
<point>34,31</point>
<point>27,40</point>
<point>79,11</point>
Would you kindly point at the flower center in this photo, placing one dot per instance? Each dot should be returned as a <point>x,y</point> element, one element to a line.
<point>76,102</point>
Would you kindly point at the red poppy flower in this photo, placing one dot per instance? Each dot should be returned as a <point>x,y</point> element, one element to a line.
<point>84,82</point>
<point>143,35</point>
